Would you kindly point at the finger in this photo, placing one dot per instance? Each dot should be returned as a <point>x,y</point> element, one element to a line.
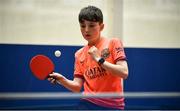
<point>49,79</point>
<point>53,76</point>
<point>90,51</point>
<point>53,81</point>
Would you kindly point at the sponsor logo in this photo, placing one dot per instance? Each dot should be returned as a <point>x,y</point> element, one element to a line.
<point>95,72</point>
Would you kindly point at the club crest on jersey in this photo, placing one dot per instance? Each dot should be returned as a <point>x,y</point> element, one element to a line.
<point>105,53</point>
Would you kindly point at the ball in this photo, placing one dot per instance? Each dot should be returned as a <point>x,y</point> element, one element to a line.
<point>57,53</point>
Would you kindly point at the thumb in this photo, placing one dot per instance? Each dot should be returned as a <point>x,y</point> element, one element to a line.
<point>53,75</point>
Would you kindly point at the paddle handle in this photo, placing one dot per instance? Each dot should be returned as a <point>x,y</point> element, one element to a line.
<point>55,79</point>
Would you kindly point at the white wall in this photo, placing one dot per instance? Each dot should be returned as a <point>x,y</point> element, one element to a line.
<point>48,21</point>
<point>151,23</point>
<point>139,23</point>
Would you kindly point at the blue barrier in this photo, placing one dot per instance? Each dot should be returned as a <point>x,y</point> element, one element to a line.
<point>150,69</point>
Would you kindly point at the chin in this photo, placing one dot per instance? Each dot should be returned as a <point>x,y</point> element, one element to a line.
<point>88,38</point>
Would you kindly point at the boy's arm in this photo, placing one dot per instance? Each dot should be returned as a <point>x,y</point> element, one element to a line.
<point>74,85</point>
<point>119,69</point>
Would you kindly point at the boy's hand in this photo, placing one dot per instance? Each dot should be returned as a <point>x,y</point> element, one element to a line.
<point>95,54</point>
<point>55,77</point>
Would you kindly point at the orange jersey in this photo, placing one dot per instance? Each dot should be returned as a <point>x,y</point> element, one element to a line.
<point>97,79</point>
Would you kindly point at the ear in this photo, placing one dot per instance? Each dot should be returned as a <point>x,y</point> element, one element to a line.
<point>101,26</point>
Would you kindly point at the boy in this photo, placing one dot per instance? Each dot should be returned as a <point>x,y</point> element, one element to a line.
<point>100,66</point>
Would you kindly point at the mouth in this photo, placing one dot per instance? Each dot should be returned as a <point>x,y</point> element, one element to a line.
<point>87,35</point>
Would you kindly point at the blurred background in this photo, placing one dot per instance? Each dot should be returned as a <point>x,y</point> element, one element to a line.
<point>149,30</point>
<point>149,23</point>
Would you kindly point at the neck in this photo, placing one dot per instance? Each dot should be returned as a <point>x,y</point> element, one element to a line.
<point>95,42</point>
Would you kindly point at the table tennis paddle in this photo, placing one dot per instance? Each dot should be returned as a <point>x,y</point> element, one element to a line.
<point>41,66</point>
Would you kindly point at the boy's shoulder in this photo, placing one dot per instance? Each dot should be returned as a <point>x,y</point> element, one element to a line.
<point>115,39</point>
<point>80,51</point>
<point>112,38</point>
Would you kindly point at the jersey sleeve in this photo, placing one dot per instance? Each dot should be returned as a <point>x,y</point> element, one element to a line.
<point>117,50</point>
<point>77,68</point>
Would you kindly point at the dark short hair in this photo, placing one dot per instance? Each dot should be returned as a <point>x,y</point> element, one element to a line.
<point>91,13</point>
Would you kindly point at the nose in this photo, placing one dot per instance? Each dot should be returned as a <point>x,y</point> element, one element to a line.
<point>86,29</point>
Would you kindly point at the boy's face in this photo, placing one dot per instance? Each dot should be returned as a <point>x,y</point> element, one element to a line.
<point>91,30</point>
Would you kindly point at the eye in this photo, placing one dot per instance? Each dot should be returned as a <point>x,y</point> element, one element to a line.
<point>91,25</point>
<point>82,26</point>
